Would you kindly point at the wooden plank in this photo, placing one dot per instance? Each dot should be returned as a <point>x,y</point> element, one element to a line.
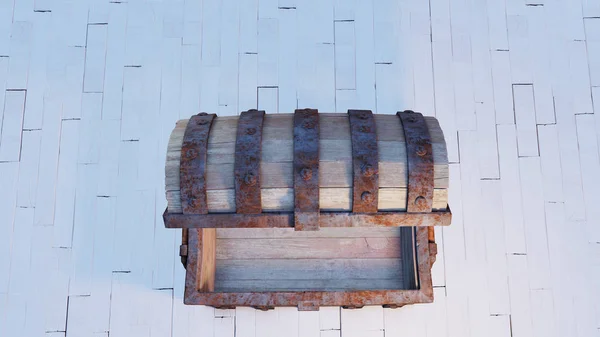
<point>330,199</point>
<point>288,58</point>
<point>89,140</point>
<point>520,49</point>
<point>525,120</point>
<point>363,322</point>
<point>560,237</point>
<point>323,248</point>
<point>326,232</point>
<point>580,78</point>
<point>12,125</point>
<point>309,269</point>
<point>520,305</point>
<point>95,58</point>
<point>115,60</point>
<point>268,99</point>
<point>538,33</point>
<point>245,322</point>
<point>277,154</point>
<point>190,79</point>
<point>496,266</point>
<point>36,77</point>
<point>365,59</point>
<point>66,184</point>
<point>306,285</point>
<point>207,240</point>
<point>592,37</point>
<point>569,159</point>
<point>20,53</point>
<point>590,165</point>
<point>550,161</point>
<point>268,31</point>
<point>345,64</point>
<point>535,230</point>
<point>542,313</point>
<point>503,96</point>
<point>228,72</point>
<point>28,168</point>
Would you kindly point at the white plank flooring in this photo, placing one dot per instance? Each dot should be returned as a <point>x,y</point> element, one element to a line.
<point>90,90</point>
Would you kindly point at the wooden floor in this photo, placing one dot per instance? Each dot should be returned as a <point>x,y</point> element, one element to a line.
<point>92,88</point>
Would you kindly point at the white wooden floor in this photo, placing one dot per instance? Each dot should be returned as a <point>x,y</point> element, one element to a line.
<point>90,90</point>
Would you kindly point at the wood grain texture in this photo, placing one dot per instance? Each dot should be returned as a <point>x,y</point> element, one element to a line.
<point>328,259</point>
<point>321,248</point>
<point>207,246</point>
<point>335,164</point>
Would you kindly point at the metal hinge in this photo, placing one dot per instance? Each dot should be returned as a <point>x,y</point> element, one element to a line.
<point>183,248</point>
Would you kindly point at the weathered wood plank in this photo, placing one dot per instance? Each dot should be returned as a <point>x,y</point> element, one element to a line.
<point>306,285</point>
<point>207,241</point>
<point>330,199</point>
<point>335,163</point>
<point>309,269</point>
<point>325,232</point>
<point>322,248</point>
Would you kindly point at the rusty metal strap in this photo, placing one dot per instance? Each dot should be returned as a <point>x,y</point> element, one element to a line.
<point>192,169</point>
<point>326,219</point>
<point>365,161</point>
<point>306,169</point>
<point>420,162</point>
<point>247,162</point>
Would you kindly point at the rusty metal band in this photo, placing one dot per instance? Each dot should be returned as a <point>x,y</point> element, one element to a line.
<point>192,165</point>
<point>247,162</point>
<point>312,300</point>
<point>326,219</point>
<point>306,169</point>
<point>365,161</point>
<point>420,162</point>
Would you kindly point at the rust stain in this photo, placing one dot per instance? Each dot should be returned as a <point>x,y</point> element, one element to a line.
<point>420,162</point>
<point>306,169</point>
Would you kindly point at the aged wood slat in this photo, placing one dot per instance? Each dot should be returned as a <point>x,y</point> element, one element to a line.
<point>308,285</point>
<point>282,233</point>
<point>276,171</point>
<point>309,269</point>
<point>330,199</point>
<point>322,248</point>
<point>207,241</point>
<point>322,292</point>
<point>326,219</point>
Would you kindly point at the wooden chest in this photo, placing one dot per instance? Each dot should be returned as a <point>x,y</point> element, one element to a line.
<point>307,209</point>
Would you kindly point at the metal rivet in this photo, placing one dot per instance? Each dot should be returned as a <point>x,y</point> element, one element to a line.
<point>363,115</point>
<point>364,128</point>
<point>202,122</point>
<point>306,173</point>
<point>309,123</point>
<point>409,111</point>
<point>368,170</point>
<point>250,131</point>
<point>191,153</point>
<point>420,201</point>
<point>367,197</point>
<point>412,119</point>
<point>202,114</point>
<point>421,151</point>
<point>250,179</point>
